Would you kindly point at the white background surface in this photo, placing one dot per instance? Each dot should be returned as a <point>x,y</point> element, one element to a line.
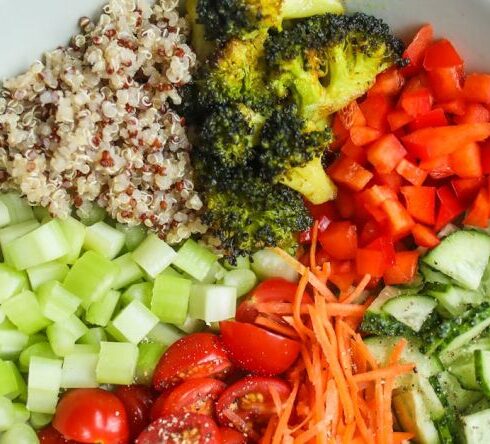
<point>29,27</point>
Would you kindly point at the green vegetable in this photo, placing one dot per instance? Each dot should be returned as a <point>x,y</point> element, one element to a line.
<point>43,384</point>
<point>24,311</point>
<point>134,322</point>
<point>153,255</point>
<point>79,369</point>
<point>100,312</point>
<point>104,239</point>
<point>148,357</point>
<point>212,303</point>
<point>129,271</point>
<point>170,299</point>
<point>56,303</point>
<point>50,271</point>
<point>117,363</point>
<point>18,209</point>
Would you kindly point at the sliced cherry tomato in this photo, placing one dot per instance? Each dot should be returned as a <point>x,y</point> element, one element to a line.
<point>92,415</point>
<point>404,269</point>
<point>339,240</point>
<point>199,355</point>
<point>442,54</point>
<point>415,51</point>
<point>137,400</point>
<point>247,405</point>
<point>477,88</point>
<point>192,396</point>
<point>232,436</point>
<point>49,435</point>
<point>177,429</point>
<point>257,350</point>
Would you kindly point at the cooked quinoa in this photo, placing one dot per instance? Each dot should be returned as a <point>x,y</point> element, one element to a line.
<point>93,122</point>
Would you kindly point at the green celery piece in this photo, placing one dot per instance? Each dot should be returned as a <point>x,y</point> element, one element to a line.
<point>190,325</point>
<point>63,335</point>
<point>41,213</point>
<point>134,235</point>
<point>117,363</point>
<point>79,370</point>
<point>12,341</point>
<point>20,434</point>
<point>50,271</point>
<point>242,279</point>
<point>212,303</point>
<point>165,334</point>
<point>148,358</point>
<point>40,420</point>
<point>24,311</point>
<point>57,303</point>
<point>7,414</point>
<point>129,271</point>
<point>267,264</point>
<point>170,300</point>
<point>43,384</point>
<point>12,383</point>
<point>195,259</point>
<point>18,208</point>
<point>11,282</point>
<point>242,262</point>
<point>4,215</point>
<point>138,292</point>
<point>216,273</point>
<point>13,232</point>
<point>104,239</point>
<point>135,321</point>
<point>91,214</point>
<point>22,415</point>
<point>153,255</point>
<point>74,231</point>
<point>42,349</point>
<point>114,334</point>
<point>94,336</point>
<point>101,311</point>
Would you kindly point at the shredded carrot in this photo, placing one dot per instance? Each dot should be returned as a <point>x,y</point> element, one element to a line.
<point>314,240</point>
<point>384,373</point>
<point>356,293</point>
<point>337,309</point>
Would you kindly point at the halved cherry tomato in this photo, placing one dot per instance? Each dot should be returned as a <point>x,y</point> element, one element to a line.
<point>199,355</point>
<point>137,400</point>
<point>49,435</point>
<point>339,240</point>
<point>257,350</point>
<point>415,51</point>
<point>247,405</point>
<point>92,415</point>
<point>232,436</point>
<point>176,429</point>
<point>191,396</point>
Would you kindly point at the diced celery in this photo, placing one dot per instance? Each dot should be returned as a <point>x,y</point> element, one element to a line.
<point>37,337</point>
<point>13,232</point>
<point>212,303</point>
<point>21,413</point>
<point>74,231</point>
<point>195,259</point>
<point>114,334</point>
<point>19,434</point>
<point>170,300</point>
<point>43,384</point>
<point>56,302</point>
<point>171,271</point>
<point>2,316</point>
<point>241,262</point>
<point>94,336</point>
<point>12,342</point>
<point>63,335</point>
<point>40,420</point>
<point>149,355</point>
<point>100,312</point>
<point>7,414</point>
<point>91,213</point>
<point>165,334</point>
<point>18,208</point>
<point>42,245</point>
<point>12,384</point>
<point>135,321</point>
<point>91,277</point>
<point>215,273</point>
<point>79,370</point>
<point>192,325</point>
<point>138,292</point>
<point>154,255</point>
<point>267,264</point>
<point>24,312</point>
<point>104,239</point>
<point>129,271</point>
<point>11,282</point>
<point>134,235</point>
<point>40,213</point>
<point>117,363</point>
<point>41,349</point>
<point>50,271</point>
<point>243,280</point>
<point>4,215</point>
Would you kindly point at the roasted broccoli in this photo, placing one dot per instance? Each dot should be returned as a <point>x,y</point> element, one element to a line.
<point>327,61</point>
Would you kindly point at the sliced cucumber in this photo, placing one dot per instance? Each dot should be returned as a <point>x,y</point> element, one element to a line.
<point>482,370</point>
<point>476,427</point>
<point>412,311</point>
<point>432,276</point>
<point>453,300</point>
<point>463,256</point>
<point>452,394</point>
<point>464,371</point>
<point>465,354</point>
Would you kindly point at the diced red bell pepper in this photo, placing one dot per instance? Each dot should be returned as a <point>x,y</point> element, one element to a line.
<point>479,211</point>
<point>415,51</point>
<point>411,173</point>
<point>370,262</point>
<point>421,203</point>
<point>442,54</point>
<point>376,108</point>
<point>340,133</point>
<point>485,157</point>
<point>450,207</point>
<point>467,189</point>
<point>342,274</point>
<point>429,143</point>
<point>420,81</point>
<point>399,220</point>
<point>349,173</point>
<point>386,246</point>
<point>456,107</point>
<point>345,203</point>
<point>398,119</point>
<point>436,117</point>
<point>327,209</point>
<point>404,270</point>
<point>356,153</point>
<point>351,116</point>
<point>425,236</point>
<point>477,88</point>
<point>305,237</point>
<point>392,180</point>
<point>371,230</point>
<point>438,168</point>
<point>466,161</point>
<point>416,103</point>
<point>388,83</point>
<point>339,240</point>
<point>363,135</point>
<point>475,113</point>
<point>446,83</point>
<point>385,154</point>
<point>377,194</point>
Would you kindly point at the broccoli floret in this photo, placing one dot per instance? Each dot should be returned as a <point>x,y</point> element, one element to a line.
<point>327,61</point>
<point>222,19</point>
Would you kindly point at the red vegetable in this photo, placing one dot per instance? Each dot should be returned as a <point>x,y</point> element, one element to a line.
<point>446,83</point>
<point>49,435</point>
<point>231,436</point>
<point>349,173</point>
<point>416,50</point>
<point>477,88</point>
<point>339,240</point>
<point>404,269</point>
<point>479,212</point>
<point>371,262</point>
<point>450,207</point>
<point>421,203</point>
<point>442,54</point>
<point>137,400</point>
<point>416,103</point>
<point>386,153</point>
<point>399,220</point>
<point>435,117</point>
<point>424,236</point>
<point>411,173</point>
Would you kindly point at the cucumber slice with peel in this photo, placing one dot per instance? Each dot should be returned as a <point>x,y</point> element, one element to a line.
<point>482,370</point>
<point>411,310</point>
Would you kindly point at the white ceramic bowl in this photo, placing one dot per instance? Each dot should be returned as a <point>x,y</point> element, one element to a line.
<point>30,27</point>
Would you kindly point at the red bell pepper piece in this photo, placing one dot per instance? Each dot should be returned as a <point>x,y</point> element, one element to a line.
<point>442,54</point>
<point>477,88</point>
<point>416,50</point>
<point>398,119</point>
<point>435,117</point>
<point>345,202</point>
<point>349,173</point>
<point>370,262</point>
<point>339,240</point>
<point>376,108</point>
<point>404,269</point>
<point>466,161</point>
<point>456,107</point>
<point>438,168</point>
<point>385,154</point>
<point>479,211</point>
<point>392,180</point>
<point>354,152</point>
<point>342,274</point>
<point>371,230</point>
<point>386,246</point>
<point>416,103</point>
<point>327,209</point>
<point>475,113</point>
<point>429,143</point>
<point>446,83</point>
<point>363,135</point>
<point>377,194</point>
<point>411,173</point>
<point>485,157</point>
<point>424,236</point>
<point>388,83</point>
<point>450,207</point>
<point>351,116</point>
<point>399,220</point>
<point>421,203</point>
<point>340,133</point>
<point>467,189</point>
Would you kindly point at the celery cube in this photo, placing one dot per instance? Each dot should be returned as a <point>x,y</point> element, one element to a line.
<point>24,311</point>
<point>91,277</point>
<point>63,335</point>
<point>18,208</point>
<point>44,383</point>
<point>129,271</point>
<point>191,325</point>
<point>134,235</point>
<point>19,434</point>
<point>117,363</point>
<point>195,259</point>
<point>41,349</point>
<point>11,282</point>
<point>4,215</point>
<point>21,413</point>
<point>170,299</point>
<point>74,231</point>
<point>135,321</point>
<point>50,271</point>
<point>154,255</point>
<point>148,358</point>
<point>56,302</point>
<point>138,292</point>
<point>114,334</point>
<point>243,280</point>
<point>39,420</point>
<point>12,342</point>
<point>100,312</point>
<point>79,370</point>
<point>11,382</point>
<point>94,336</point>
<point>7,414</point>
<point>12,232</point>
<point>212,303</point>
<point>104,239</point>
<point>164,334</point>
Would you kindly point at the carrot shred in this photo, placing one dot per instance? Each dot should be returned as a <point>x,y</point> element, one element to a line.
<point>384,373</point>
<point>314,241</point>
<point>356,293</point>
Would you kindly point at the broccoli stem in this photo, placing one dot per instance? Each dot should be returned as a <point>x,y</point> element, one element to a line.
<point>292,9</point>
